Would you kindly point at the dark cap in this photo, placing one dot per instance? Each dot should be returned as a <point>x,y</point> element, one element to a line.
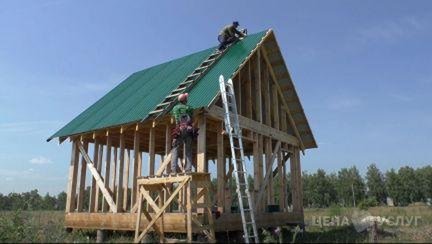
<point>236,23</point>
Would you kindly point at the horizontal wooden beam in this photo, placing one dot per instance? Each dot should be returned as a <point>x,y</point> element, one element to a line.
<point>257,127</point>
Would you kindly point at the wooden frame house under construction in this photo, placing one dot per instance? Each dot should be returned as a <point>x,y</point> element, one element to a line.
<point>123,154</point>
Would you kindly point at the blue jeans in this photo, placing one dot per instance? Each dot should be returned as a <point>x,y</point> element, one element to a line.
<point>224,41</point>
<point>180,140</point>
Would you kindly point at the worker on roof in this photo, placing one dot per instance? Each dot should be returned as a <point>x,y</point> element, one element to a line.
<point>183,133</point>
<point>230,34</point>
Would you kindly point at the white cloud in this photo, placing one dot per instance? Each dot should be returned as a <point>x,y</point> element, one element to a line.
<point>392,30</point>
<point>40,160</point>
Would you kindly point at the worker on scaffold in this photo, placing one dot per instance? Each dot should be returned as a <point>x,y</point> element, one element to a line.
<point>183,133</point>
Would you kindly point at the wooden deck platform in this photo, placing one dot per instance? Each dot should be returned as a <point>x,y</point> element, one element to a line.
<point>173,222</point>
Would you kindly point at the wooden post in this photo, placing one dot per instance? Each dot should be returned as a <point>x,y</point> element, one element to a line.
<point>72,181</point>
<point>258,88</point>
<point>266,92</point>
<point>257,160</point>
<point>220,170</point>
<point>152,156</point>
<point>120,174</point>
<point>248,94</point>
<point>99,168</point>
<point>82,184</point>
<point>281,175</point>
<point>296,182</point>
<point>114,175</point>
<point>168,144</point>
<point>260,179</point>
<point>268,148</point>
<point>126,179</point>
<point>202,165</point>
<point>275,106</point>
<point>107,169</point>
<point>189,212</point>
<point>137,168</point>
<point>93,185</point>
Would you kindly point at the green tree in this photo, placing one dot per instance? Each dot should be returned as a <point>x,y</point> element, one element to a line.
<point>375,184</point>
<point>424,176</point>
<point>392,183</point>
<point>350,186</point>
<point>318,189</point>
<point>409,187</point>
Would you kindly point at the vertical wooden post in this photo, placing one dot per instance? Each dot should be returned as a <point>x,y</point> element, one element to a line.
<point>152,156</point>
<point>160,205</point>
<point>220,170</point>
<point>248,94</point>
<point>266,92</point>
<point>93,185</point>
<point>126,179</point>
<point>120,173</point>
<point>114,175</point>
<point>275,106</point>
<point>281,175</point>
<point>82,184</point>
<point>137,168</point>
<point>189,212</point>
<point>296,182</point>
<point>268,149</point>
<point>202,165</point>
<point>99,168</point>
<point>258,88</point>
<point>168,144</point>
<point>105,206</point>
<point>72,181</point>
<point>257,161</point>
<point>260,167</point>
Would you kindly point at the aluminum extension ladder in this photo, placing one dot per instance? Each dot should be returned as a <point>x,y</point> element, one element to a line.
<point>232,127</point>
<point>186,85</point>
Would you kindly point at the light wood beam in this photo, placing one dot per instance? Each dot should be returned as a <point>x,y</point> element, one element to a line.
<point>107,168</point>
<point>202,165</point>
<point>83,174</point>
<point>220,169</point>
<point>72,181</point>
<point>120,190</point>
<point>136,168</point>
<point>258,88</point>
<point>126,179</point>
<point>152,155</point>
<point>93,185</point>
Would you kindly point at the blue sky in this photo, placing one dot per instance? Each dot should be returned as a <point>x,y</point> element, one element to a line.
<point>363,71</point>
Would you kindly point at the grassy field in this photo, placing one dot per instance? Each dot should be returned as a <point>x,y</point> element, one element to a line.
<point>322,225</point>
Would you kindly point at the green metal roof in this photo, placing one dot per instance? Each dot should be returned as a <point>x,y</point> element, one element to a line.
<point>141,92</point>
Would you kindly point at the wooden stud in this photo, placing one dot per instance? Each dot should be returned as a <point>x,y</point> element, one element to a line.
<point>202,165</point>
<point>248,95</point>
<point>267,100</point>
<point>72,181</point>
<point>168,145</point>
<point>189,212</point>
<point>83,173</point>
<point>98,168</point>
<point>93,185</point>
<point>296,182</point>
<point>137,168</point>
<point>126,179</point>
<point>152,156</point>
<point>220,169</point>
<point>107,168</point>
<point>269,168</point>
<point>258,89</point>
<point>114,172</point>
<point>275,105</point>
<point>120,190</point>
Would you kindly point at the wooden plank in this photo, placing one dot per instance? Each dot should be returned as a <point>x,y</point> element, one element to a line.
<point>269,167</point>
<point>164,164</point>
<point>202,165</point>
<point>281,176</point>
<point>168,145</point>
<point>275,106</point>
<point>267,175</point>
<point>120,190</point>
<point>83,173</point>
<point>267,100</point>
<point>138,216</point>
<point>189,212</point>
<point>220,169</point>
<point>257,161</point>
<point>107,169</point>
<point>296,182</point>
<point>72,181</point>
<point>126,179</point>
<point>98,168</point>
<point>114,172</point>
<point>249,104</point>
<point>252,125</point>
<point>136,168</point>
<point>93,185</point>
<point>98,179</point>
<point>258,88</point>
<point>152,156</point>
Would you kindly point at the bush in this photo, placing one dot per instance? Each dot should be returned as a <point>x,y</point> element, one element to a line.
<point>368,203</point>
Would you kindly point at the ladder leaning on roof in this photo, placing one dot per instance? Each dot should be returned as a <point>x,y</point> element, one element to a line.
<point>186,85</point>
<point>232,127</point>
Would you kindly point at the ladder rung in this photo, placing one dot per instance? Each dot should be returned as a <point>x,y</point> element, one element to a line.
<point>163,104</point>
<point>209,60</point>
<point>179,89</point>
<point>156,111</point>
<point>202,67</point>
<point>192,75</point>
<point>173,95</point>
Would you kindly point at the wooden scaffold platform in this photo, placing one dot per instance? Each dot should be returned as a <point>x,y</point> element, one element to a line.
<point>188,194</point>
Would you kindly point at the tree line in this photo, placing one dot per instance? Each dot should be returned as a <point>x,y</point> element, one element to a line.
<point>346,188</point>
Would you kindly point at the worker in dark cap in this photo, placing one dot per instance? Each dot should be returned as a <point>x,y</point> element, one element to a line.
<point>229,34</point>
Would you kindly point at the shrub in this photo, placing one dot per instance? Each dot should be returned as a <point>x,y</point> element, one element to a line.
<point>367,203</point>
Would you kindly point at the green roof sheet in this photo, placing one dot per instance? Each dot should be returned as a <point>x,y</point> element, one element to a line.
<point>141,92</point>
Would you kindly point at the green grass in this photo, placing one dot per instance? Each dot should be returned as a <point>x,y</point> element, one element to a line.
<point>48,226</point>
